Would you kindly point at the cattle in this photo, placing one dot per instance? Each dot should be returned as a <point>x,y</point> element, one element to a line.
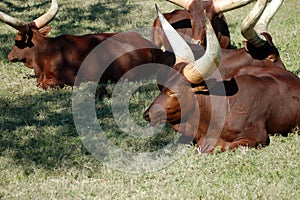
<point>190,22</point>
<point>242,111</point>
<point>181,21</point>
<point>256,51</point>
<point>56,60</point>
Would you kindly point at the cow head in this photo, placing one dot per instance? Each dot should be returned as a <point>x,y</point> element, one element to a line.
<point>21,51</point>
<point>259,42</point>
<point>177,102</point>
<point>28,33</point>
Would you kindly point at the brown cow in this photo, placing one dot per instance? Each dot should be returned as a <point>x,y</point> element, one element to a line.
<point>193,15</point>
<point>242,111</point>
<point>56,61</point>
<point>256,51</point>
<point>181,21</point>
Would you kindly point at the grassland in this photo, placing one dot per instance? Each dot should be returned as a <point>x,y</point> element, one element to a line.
<point>42,156</point>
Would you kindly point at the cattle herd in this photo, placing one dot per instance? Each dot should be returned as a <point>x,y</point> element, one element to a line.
<point>254,92</point>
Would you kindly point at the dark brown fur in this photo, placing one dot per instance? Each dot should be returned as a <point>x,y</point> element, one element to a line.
<point>56,61</point>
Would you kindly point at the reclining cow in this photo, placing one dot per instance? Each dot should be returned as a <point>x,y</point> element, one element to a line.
<point>56,61</point>
<point>241,111</point>
<point>256,52</point>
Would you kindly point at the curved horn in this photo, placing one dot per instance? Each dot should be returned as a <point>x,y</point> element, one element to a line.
<point>48,16</point>
<point>247,28</point>
<point>269,12</point>
<point>182,3</point>
<point>227,5</point>
<point>179,46</point>
<point>21,26</point>
<point>202,68</point>
<point>219,5</point>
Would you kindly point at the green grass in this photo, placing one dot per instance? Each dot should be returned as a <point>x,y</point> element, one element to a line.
<point>42,156</point>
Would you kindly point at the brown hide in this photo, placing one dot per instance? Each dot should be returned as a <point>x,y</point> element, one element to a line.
<point>258,101</point>
<point>234,59</point>
<point>57,60</point>
<point>265,56</point>
<point>181,22</point>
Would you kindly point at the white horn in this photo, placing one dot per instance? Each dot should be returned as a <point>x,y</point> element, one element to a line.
<point>48,16</point>
<point>247,28</point>
<point>182,3</point>
<point>269,12</point>
<point>219,5</point>
<point>227,5</point>
<point>178,44</point>
<point>202,68</point>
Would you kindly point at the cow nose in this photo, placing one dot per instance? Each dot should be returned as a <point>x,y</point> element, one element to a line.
<point>10,57</point>
<point>155,114</point>
<point>146,115</point>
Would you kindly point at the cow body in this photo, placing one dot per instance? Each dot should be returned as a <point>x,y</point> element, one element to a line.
<point>232,60</point>
<point>56,61</point>
<point>259,101</point>
<point>222,100</point>
<point>235,59</point>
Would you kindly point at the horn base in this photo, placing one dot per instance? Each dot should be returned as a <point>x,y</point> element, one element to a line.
<point>192,74</point>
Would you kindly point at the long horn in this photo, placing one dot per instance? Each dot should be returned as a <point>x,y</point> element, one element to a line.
<point>48,16</point>
<point>269,12</point>
<point>227,5</point>
<point>247,28</point>
<point>182,3</point>
<point>181,49</point>
<point>202,68</point>
<point>21,26</point>
<point>219,5</point>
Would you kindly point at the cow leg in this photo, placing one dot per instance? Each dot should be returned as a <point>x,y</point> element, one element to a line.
<point>257,140</point>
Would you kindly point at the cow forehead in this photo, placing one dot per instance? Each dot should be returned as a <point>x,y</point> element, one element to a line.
<point>176,83</point>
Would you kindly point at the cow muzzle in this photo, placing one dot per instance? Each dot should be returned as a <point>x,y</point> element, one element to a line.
<point>11,57</point>
<point>155,114</point>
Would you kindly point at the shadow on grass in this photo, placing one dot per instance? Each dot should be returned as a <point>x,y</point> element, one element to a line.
<point>38,130</point>
<point>6,41</point>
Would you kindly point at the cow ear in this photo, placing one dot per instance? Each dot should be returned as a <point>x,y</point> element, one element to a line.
<point>268,38</point>
<point>245,44</point>
<point>45,30</point>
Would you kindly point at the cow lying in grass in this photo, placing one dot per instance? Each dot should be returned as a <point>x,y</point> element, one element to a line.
<point>241,111</point>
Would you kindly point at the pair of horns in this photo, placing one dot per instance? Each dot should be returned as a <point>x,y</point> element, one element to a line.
<point>196,70</point>
<point>23,27</point>
<point>259,15</point>
<point>218,5</point>
<point>268,14</point>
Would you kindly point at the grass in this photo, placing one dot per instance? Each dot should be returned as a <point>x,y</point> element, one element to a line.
<point>43,157</point>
